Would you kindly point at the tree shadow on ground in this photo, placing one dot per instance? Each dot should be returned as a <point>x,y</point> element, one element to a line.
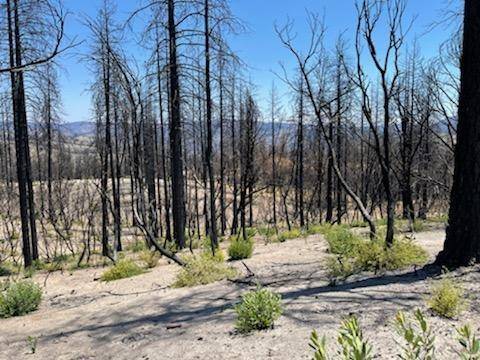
<point>307,301</point>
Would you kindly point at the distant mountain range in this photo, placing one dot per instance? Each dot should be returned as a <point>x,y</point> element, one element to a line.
<point>78,128</point>
<point>87,128</point>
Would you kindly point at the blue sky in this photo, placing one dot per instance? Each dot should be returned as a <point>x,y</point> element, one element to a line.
<point>258,47</point>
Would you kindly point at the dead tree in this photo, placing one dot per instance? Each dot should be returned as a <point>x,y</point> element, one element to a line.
<point>462,244</point>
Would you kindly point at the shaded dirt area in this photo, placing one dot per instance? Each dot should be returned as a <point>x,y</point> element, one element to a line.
<point>142,318</point>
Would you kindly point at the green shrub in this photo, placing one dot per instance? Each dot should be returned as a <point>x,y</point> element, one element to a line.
<point>121,270</point>
<point>353,346</point>
<point>447,299</point>
<point>352,342</point>
<point>149,258</point>
<point>342,241</point>
<point>20,298</point>
<point>418,338</point>
<point>469,342</point>
<point>370,255</point>
<point>203,269</point>
<point>240,248</point>
<point>375,256</point>
<point>404,253</point>
<point>294,233</point>
<point>354,254</point>
<point>339,268</point>
<point>416,341</point>
<point>258,310</point>
<point>314,229</point>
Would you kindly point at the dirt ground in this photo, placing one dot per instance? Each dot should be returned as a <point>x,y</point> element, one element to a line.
<point>143,318</point>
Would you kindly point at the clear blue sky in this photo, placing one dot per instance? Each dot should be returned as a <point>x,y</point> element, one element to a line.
<point>258,47</point>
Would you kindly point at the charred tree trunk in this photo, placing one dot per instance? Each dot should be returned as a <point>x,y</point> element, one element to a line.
<point>462,244</point>
<point>209,145</point>
<point>178,195</point>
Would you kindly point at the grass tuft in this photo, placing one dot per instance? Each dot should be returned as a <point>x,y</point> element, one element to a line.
<point>240,248</point>
<point>204,269</point>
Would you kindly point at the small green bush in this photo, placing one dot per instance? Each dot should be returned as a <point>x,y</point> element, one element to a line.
<point>20,298</point>
<point>240,248</point>
<point>416,341</point>
<point>121,270</point>
<point>352,342</point>
<point>353,346</point>
<point>418,337</point>
<point>314,229</point>
<point>342,241</point>
<point>258,310</point>
<point>447,299</point>
<point>339,268</point>
<point>354,254</point>
<point>294,233</point>
<point>404,253</point>
<point>204,269</point>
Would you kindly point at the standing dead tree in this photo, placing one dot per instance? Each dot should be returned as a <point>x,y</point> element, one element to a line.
<point>309,64</point>
<point>370,13</point>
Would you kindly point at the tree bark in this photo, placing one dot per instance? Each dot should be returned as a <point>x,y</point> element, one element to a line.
<point>462,244</point>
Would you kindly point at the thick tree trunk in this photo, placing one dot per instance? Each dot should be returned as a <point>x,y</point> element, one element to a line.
<point>27,210</point>
<point>462,244</point>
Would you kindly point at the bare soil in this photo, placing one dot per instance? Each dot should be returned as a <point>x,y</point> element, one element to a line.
<point>144,318</point>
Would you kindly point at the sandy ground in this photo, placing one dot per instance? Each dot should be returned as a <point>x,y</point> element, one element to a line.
<point>142,318</point>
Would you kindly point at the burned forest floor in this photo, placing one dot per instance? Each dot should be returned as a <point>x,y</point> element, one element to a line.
<point>143,317</point>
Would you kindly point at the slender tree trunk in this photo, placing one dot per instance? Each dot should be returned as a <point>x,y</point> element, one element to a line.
<point>329,214</point>
<point>209,145</point>
<point>178,195</point>
<point>168,231</point>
